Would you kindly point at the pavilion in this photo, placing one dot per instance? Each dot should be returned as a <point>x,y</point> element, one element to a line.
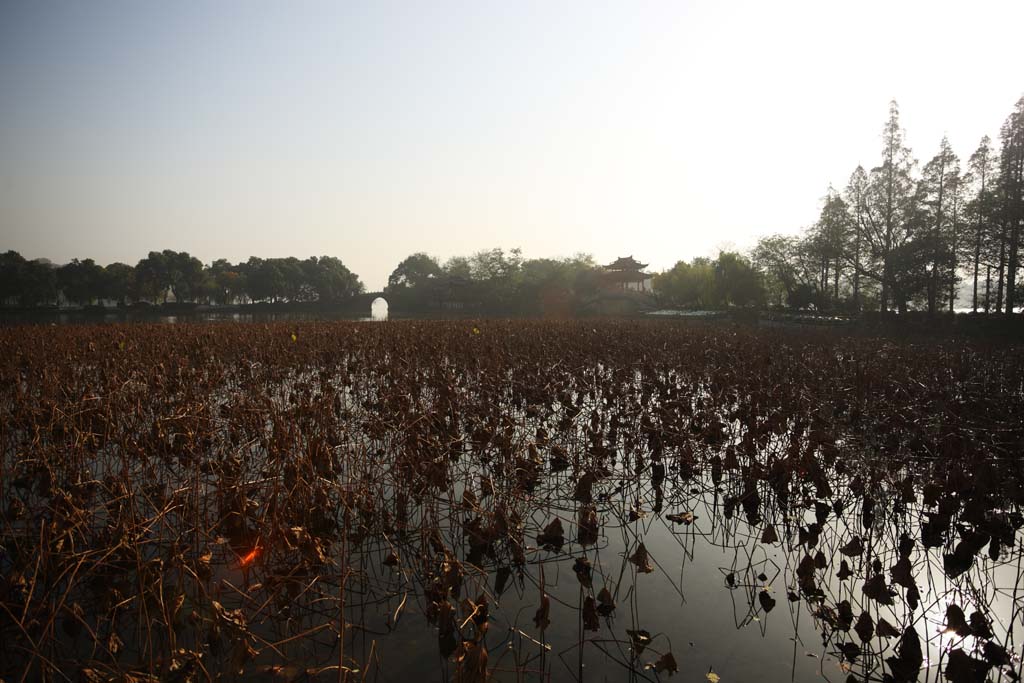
<point>626,273</point>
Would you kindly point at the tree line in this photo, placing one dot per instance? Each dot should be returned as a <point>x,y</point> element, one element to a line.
<point>167,274</point>
<point>503,282</point>
<point>494,281</point>
<point>895,239</point>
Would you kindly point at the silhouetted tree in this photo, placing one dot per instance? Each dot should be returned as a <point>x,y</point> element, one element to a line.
<point>414,271</point>
<point>690,285</point>
<point>329,279</point>
<point>1011,191</point>
<point>458,266</point>
<point>81,282</point>
<point>185,274</point>
<point>118,282</point>
<point>888,203</point>
<point>981,209</point>
<point>153,276</point>
<point>227,281</point>
<point>827,244</point>
<point>736,281</point>
<point>39,283</point>
<point>12,276</point>
<point>939,202</point>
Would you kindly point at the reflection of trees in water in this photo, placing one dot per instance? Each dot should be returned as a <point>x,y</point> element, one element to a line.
<point>204,498</point>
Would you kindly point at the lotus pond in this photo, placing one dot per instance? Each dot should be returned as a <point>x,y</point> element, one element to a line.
<point>508,501</point>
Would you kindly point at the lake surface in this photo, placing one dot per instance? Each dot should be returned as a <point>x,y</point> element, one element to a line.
<point>598,501</point>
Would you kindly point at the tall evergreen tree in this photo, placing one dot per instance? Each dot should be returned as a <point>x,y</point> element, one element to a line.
<point>981,168</point>
<point>860,220</point>
<point>883,204</point>
<point>1012,196</point>
<point>831,231</point>
<point>939,187</point>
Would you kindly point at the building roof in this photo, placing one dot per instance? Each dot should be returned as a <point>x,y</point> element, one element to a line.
<point>626,263</point>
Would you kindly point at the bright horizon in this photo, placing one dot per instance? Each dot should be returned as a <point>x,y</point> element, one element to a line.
<point>369,133</point>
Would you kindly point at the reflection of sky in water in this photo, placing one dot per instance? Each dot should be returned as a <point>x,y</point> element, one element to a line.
<point>688,608</point>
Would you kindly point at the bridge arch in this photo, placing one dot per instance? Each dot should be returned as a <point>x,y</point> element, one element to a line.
<point>379,308</point>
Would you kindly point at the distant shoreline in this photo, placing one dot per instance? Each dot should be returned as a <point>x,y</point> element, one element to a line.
<point>914,323</point>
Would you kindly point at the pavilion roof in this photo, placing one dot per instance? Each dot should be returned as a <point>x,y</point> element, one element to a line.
<point>626,263</point>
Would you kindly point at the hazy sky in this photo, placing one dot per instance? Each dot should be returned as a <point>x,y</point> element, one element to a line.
<point>371,131</point>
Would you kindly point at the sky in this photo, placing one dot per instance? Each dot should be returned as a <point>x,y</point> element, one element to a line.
<point>370,131</point>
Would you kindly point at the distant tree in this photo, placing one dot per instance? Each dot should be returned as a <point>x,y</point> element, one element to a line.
<point>162,273</point>
<point>774,258</point>
<point>118,282</point>
<point>458,266</point>
<point>1011,194</point>
<point>222,282</point>
<point>736,281</point>
<point>12,276</point>
<point>264,279</point>
<point>153,276</point>
<point>495,264</point>
<point>689,285</point>
<point>496,272</point>
<point>295,286</point>
<point>831,231</point>
<point>81,282</point>
<point>856,244</point>
<point>185,274</point>
<point>330,280</point>
<point>939,192</point>
<point>414,271</point>
<point>801,271</point>
<point>883,207</point>
<point>228,282</point>
<point>553,286</point>
<point>39,283</point>
<point>980,208</point>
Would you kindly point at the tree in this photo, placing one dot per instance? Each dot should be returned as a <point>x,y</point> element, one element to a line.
<point>153,276</point>
<point>12,276</point>
<point>773,258</point>
<point>736,281</point>
<point>496,272</point>
<point>264,279</point>
<point>553,286</point>
<point>856,243</point>
<point>459,267</point>
<point>827,244</point>
<point>81,282</point>
<point>296,286</point>
<point>330,280</point>
<point>1011,191</point>
<point>495,264</point>
<point>39,283</point>
<point>980,207</point>
<point>883,205</point>
<point>939,202</point>
<point>414,271</point>
<point>185,275</point>
<point>118,282</point>
<point>228,281</point>
<point>689,285</point>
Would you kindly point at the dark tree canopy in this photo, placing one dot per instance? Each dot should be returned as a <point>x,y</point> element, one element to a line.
<point>165,275</point>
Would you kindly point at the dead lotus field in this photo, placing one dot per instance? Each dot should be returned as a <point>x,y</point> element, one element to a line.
<point>509,501</point>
